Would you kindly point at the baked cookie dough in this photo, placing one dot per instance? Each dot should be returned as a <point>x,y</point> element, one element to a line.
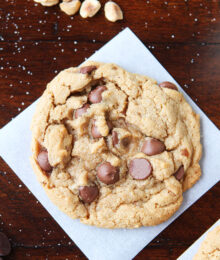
<point>113,148</point>
<point>210,247</point>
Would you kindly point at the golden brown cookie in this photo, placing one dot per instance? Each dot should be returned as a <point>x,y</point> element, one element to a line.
<point>210,247</point>
<point>113,148</point>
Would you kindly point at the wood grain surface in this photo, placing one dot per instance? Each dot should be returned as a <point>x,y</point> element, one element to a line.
<point>37,42</point>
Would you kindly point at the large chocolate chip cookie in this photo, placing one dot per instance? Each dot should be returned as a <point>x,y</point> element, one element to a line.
<point>115,149</point>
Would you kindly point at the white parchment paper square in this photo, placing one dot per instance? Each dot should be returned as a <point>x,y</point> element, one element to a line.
<point>192,250</point>
<point>104,244</point>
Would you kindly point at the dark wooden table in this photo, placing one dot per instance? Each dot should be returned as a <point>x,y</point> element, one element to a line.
<point>37,42</point>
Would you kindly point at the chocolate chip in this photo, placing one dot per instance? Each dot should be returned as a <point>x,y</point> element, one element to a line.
<point>179,173</point>
<point>110,125</point>
<point>5,246</point>
<point>95,131</point>
<point>88,193</point>
<point>125,141</point>
<point>82,110</point>
<point>153,146</point>
<point>87,69</point>
<point>107,173</point>
<point>114,138</point>
<point>43,161</point>
<point>167,84</point>
<point>95,96</point>
<point>140,168</point>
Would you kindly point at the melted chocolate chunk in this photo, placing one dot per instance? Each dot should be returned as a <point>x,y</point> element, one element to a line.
<point>88,193</point>
<point>43,161</point>
<point>95,96</point>
<point>140,168</point>
<point>82,110</point>
<point>167,84</point>
<point>153,146</point>
<point>87,69</point>
<point>107,173</point>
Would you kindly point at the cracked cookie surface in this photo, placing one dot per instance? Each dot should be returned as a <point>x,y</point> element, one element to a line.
<point>113,148</point>
<point>210,247</point>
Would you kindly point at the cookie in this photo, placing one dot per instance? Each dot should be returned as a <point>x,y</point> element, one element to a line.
<point>210,247</point>
<point>113,148</point>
